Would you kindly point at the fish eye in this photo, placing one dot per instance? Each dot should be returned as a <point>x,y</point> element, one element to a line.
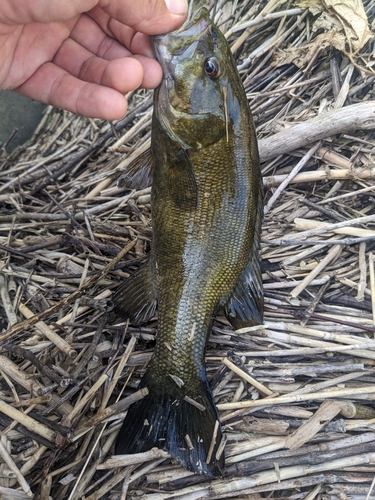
<point>211,67</point>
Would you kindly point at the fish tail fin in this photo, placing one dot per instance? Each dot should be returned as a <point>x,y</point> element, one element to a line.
<point>183,422</point>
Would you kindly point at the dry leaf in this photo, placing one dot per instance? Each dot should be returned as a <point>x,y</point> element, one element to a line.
<point>353,17</point>
<point>314,6</point>
<point>345,27</point>
<point>327,23</point>
<point>301,56</point>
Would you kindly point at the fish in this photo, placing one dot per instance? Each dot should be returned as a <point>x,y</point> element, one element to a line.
<point>206,211</point>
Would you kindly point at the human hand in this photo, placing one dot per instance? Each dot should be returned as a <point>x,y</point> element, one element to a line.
<point>83,55</point>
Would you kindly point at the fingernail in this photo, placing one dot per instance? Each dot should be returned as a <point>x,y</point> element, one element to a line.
<point>177,6</point>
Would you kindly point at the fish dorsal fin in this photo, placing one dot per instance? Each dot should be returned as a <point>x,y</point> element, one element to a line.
<point>245,304</point>
<point>136,298</point>
<point>182,184</point>
<point>138,175</point>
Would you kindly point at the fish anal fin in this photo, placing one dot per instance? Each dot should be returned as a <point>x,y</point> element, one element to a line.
<point>136,298</point>
<point>244,307</point>
<point>184,423</point>
<point>138,175</point>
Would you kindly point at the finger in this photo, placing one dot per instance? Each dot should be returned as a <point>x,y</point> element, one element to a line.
<point>143,15</point>
<point>42,11</point>
<point>147,16</point>
<point>152,72</point>
<point>53,85</point>
<point>89,34</point>
<point>123,74</point>
<point>108,29</point>
<point>34,45</point>
<point>135,41</point>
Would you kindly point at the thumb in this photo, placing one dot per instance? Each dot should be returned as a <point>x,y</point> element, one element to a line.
<point>151,17</point>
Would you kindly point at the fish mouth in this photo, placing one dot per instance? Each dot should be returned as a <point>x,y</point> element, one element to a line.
<point>197,24</point>
<point>191,27</point>
<point>173,47</point>
<point>181,42</point>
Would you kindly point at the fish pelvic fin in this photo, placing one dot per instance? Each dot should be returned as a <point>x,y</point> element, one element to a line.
<point>184,423</point>
<point>136,298</point>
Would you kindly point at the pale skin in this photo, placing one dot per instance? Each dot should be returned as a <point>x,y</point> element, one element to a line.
<point>83,55</point>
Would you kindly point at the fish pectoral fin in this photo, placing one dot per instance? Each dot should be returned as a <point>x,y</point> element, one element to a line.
<point>184,423</point>
<point>244,307</point>
<point>138,175</point>
<point>182,184</point>
<point>136,298</point>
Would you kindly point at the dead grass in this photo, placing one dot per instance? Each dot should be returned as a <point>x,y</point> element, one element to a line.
<point>296,396</point>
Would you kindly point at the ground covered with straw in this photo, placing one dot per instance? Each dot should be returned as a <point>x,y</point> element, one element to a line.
<point>296,395</point>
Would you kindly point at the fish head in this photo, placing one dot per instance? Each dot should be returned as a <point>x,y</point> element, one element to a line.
<point>196,101</point>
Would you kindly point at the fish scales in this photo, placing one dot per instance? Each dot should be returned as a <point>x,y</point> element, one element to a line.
<point>211,249</point>
<point>206,206</point>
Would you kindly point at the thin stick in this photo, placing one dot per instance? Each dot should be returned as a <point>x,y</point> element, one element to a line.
<point>327,243</point>
<point>346,195</point>
<point>261,388</point>
<point>27,421</point>
<point>213,442</point>
<point>32,385</point>
<point>370,489</point>
<point>331,255</point>
<point>363,273</point>
<point>72,494</point>
<point>306,224</point>
<point>268,17</point>
<point>20,327</point>
<point>313,332</point>
<point>336,393</point>
<point>51,335</point>
<point>325,125</point>
<point>108,412</point>
<point>371,260</point>
<point>291,176</point>
<point>7,303</point>
<point>314,176</point>
<point>135,458</point>
<point>325,413</point>
<point>327,228</point>
<point>343,94</point>
<point>13,467</point>
<point>86,398</point>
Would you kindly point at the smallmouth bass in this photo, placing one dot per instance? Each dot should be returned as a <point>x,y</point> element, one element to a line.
<point>206,206</point>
